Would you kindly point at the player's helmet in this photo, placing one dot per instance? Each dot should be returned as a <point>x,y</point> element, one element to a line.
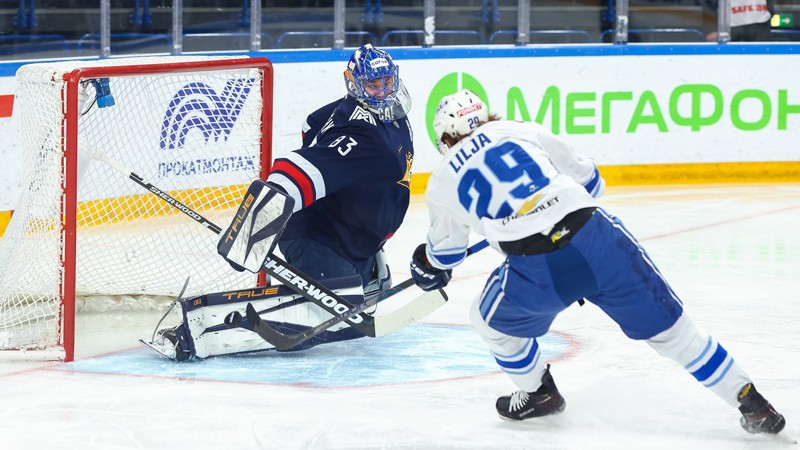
<point>457,115</point>
<point>373,79</point>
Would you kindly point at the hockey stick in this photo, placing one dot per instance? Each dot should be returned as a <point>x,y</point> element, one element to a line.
<point>398,318</point>
<point>151,343</point>
<point>289,276</point>
<point>169,309</point>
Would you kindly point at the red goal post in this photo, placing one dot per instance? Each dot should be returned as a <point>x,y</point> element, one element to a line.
<point>200,128</point>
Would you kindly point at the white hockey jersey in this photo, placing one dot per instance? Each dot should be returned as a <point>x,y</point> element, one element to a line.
<point>506,181</point>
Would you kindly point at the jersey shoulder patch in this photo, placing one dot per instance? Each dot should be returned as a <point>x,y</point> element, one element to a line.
<point>328,125</point>
<point>360,113</point>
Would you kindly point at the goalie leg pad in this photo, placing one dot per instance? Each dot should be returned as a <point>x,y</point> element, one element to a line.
<point>204,319</point>
<point>326,337</point>
<point>204,332</point>
<point>256,227</point>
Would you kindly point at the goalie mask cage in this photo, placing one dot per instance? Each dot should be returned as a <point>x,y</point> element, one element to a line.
<point>198,128</point>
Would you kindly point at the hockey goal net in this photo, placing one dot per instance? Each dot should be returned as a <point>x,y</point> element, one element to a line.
<point>198,128</point>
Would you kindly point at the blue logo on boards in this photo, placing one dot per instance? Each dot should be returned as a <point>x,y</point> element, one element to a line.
<point>197,106</point>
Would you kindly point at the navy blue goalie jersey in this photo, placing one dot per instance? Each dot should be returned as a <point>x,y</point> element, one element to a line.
<point>350,181</point>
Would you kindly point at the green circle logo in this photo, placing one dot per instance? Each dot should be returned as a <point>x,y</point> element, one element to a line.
<point>448,85</point>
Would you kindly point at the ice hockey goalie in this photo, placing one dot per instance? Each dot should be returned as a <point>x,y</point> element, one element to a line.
<point>208,327</point>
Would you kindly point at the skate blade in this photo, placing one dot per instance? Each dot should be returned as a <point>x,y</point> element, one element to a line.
<point>158,349</point>
<point>784,437</point>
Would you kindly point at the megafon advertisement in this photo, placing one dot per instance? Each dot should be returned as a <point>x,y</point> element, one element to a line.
<point>618,110</point>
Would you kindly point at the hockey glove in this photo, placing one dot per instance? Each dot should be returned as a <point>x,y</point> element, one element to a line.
<point>427,277</point>
<point>257,226</point>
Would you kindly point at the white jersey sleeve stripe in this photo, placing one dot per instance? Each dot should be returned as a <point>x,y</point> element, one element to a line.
<point>596,185</point>
<point>291,189</point>
<point>311,171</point>
<point>445,258</point>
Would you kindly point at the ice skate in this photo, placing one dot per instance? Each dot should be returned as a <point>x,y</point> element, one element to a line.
<point>523,405</point>
<point>168,337</point>
<point>166,344</point>
<point>758,415</point>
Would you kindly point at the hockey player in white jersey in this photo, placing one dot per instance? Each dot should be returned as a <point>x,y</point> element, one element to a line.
<point>533,198</point>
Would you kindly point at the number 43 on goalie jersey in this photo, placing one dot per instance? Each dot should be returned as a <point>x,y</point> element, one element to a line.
<point>350,181</point>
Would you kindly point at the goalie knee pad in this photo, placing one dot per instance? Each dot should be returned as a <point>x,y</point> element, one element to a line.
<point>381,277</point>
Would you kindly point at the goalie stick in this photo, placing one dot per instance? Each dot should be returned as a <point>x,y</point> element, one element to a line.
<point>392,321</point>
<point>288,275</point>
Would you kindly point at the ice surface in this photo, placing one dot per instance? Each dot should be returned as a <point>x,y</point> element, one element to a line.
<point>731,253</point>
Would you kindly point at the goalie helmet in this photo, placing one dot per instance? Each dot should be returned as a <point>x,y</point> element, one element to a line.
<point>457,115</point>
<point>373,79</point>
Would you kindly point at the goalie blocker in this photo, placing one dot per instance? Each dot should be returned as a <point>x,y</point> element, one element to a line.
<point>256,227</point>
<point>215,324</point>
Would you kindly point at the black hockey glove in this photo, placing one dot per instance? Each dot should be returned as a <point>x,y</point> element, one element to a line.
<point>427,277</point>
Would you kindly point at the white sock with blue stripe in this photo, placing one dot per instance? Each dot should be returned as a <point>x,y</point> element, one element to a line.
<point>703,357</point>
<point>519,357</point>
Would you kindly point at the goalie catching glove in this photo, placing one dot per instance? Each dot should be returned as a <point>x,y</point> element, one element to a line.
<point>257,226</point>
<point>426,276</point>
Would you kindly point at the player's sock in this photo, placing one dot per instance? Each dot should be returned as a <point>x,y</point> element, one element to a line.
<point>523,405</point>
<point>758,415</point>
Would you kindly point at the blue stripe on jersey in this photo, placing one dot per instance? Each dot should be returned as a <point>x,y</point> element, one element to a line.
<point>526,360</point>
<point>448,261</point>
<point>493,292</point>
<point>592,185</point>
<point>712,365</point>
<point>488,300</point>
<point>446,258</point>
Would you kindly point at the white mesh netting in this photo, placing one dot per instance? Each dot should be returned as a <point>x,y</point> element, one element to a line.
<point>194,134</point>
